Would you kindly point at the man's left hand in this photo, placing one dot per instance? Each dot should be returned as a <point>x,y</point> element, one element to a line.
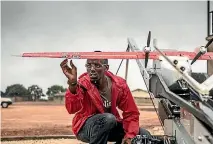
<point>126,141</point>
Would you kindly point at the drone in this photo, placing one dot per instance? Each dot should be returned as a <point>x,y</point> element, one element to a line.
<point>185,98</point>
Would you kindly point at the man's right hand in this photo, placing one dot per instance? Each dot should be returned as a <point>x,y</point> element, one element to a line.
<point>70,72</point>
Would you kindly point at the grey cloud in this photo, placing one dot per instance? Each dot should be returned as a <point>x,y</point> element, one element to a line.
<point>87,26</point>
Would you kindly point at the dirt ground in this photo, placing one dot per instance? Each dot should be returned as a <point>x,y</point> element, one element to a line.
<point>28,119</point>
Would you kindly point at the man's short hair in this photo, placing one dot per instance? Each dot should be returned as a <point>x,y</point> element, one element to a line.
<point>104,61</point>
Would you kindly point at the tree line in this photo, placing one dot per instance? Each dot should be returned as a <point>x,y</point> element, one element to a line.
<point>33,92</point>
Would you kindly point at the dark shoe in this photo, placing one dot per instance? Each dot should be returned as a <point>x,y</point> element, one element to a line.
<point>147,140</point>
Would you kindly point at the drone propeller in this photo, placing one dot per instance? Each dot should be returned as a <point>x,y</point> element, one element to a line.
<point>202,51</point>
<point>147,49</point>
<point>146,59</point>
<point>149,39</point>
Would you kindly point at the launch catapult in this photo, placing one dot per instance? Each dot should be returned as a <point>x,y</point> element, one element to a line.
<point>185,98</point>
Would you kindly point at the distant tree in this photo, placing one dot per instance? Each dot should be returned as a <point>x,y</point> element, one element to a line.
<point>55,89</point>
<point>16,90</point>
<point>2,94</point>
<point>35,92</point>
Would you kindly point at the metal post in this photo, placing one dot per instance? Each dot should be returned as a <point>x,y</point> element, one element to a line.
<point>209,36</point>
<point>127,66</point>
<point>210,62</point>
<point>208,18</point>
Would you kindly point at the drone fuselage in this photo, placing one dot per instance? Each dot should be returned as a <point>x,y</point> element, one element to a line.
<point>170,74</point>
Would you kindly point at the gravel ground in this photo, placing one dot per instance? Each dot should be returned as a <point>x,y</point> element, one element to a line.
<point>41,119</point>
<point>30,120</point>
<point>154,131</point>
<point>47,141</point>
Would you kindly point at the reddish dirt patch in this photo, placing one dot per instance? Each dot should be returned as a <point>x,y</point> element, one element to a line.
<point>28,119</point>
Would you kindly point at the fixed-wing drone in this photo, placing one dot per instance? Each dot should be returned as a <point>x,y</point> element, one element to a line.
<point>185,103</point>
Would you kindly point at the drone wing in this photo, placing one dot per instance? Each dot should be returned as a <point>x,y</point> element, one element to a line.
<point>90,55</point>
<point>114,55</point>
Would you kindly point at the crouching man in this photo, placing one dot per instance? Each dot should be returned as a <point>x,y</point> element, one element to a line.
<point>93,99</point>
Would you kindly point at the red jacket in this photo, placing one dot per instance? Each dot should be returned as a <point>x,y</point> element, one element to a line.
<point>87,102</point>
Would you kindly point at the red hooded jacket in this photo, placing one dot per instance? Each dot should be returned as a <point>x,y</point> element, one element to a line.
<point>87,102</point>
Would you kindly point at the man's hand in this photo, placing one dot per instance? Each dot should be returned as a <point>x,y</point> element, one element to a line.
<point>70,72</point>
<point>126,141</point>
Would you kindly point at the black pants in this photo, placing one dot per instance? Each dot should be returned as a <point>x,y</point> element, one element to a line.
<point>101,128</point>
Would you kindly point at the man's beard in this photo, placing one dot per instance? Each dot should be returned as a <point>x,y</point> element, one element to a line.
<point>96,83</point>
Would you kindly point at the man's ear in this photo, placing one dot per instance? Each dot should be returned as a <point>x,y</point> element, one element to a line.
<point>107,68</point>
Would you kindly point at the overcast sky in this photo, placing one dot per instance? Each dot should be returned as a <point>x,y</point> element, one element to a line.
<point>88,26</point>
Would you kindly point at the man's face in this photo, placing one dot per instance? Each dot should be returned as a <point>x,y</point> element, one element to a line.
<point>96,69</point>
